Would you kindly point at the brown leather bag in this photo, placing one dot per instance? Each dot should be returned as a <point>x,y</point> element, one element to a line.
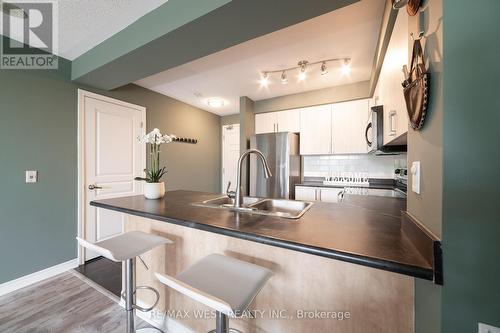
<point>416,88</point>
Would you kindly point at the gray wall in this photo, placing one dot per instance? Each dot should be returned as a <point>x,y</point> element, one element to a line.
<point>190,167</point>
<point>247,129</point>
<point>231,119</point>
<point>426,146</point>
<point>38,131</point>
<point>471,219</point>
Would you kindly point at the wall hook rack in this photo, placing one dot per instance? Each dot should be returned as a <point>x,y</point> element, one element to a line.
<point>420,36</point>
<point>186,140</point>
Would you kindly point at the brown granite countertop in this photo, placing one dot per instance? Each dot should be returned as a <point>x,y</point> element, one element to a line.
<point>362,230</point>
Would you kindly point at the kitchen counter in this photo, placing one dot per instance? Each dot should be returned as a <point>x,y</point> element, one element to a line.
<point>365,231</point>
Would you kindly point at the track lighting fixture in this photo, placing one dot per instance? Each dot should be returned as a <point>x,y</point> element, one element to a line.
<point>302,67</point>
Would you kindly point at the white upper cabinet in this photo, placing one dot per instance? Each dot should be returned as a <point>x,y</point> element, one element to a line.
<point>389,90</point>
<point>316,130</point>
<point>265,122</point>
<point>282,121</point>
<point>349,121</point>
<point>288,121</point>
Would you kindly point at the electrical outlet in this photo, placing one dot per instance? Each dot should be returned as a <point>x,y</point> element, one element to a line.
<point>31,176</point>
<point>415,177</point>
<point>483,328</point>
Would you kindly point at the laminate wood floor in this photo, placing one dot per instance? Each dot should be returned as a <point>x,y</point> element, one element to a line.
<point>104,272</point>
<point>62,304</point>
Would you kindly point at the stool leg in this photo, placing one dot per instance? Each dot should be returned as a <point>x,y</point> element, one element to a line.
<point>222,323</point>
<point>129,294</point>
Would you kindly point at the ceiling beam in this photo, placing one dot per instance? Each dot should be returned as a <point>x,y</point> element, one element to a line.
<point>181,31</point>
<point>387,26</point>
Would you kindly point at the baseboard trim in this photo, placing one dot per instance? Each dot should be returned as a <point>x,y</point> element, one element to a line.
<point>158,320</point>
<point>32,278</point>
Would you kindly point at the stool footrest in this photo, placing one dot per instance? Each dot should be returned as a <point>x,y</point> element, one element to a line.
<point>135,306</point>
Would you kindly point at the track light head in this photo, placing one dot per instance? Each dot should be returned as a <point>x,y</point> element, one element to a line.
<point>346,67</point>
<point>264,80</point>
<point>284,79</point>
<point>302,74</point>
<point>324,70</point>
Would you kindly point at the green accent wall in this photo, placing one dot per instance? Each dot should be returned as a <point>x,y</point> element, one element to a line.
<point>471,195</point>
<point>38,131</point>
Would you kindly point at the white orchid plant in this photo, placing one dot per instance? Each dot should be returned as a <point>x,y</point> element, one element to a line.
<point>155,139</point>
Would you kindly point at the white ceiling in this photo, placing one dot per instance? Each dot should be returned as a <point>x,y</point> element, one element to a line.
<point>348,32</point>
<point>83,24</point>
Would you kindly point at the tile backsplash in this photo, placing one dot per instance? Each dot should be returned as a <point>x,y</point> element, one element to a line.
<point>376,166</point>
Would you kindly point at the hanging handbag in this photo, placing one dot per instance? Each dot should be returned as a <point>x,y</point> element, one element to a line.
<point>416,88</point>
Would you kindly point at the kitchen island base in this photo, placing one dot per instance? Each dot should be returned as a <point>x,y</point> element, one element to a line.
<point>307,293</point>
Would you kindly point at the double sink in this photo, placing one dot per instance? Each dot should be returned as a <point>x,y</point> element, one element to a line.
<point>288,209</point>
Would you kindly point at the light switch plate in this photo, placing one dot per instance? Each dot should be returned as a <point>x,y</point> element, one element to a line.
<point>483,328</point>
<point>31,176</point>
<point>415,177</point>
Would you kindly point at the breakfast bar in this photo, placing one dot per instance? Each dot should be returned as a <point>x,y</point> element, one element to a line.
<point>357,248</point>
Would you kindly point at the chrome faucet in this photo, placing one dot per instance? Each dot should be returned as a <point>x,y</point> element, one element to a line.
<point>238,200</point>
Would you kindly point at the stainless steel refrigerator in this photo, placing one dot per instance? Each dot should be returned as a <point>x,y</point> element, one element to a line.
<point>282,153</point>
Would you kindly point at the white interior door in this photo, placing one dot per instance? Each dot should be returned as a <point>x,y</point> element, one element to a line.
<point>230,155</point>
<point>112,158</point>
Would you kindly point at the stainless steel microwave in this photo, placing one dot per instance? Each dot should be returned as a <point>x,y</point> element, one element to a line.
<point>374,134</point>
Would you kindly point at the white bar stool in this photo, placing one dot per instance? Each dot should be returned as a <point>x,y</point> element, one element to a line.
<point>225,284</point>
<point>126,248</point>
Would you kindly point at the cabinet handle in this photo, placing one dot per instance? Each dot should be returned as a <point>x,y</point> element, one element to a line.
<point>277,127</point>
<point>392,123</point>
<point>274,128</point>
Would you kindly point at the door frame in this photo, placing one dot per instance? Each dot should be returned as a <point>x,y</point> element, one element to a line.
<point>82,94</point>
<point>223,189</point>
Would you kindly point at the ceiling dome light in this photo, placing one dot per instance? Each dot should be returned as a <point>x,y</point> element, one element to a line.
<point>324,71</point>
<point>284,79</point>
<point>346,67</point>
<point>215,102</point>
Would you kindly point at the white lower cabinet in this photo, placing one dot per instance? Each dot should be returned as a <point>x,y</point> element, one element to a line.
<point>329,194</point>
<point>322,194</point>
<point>305,193</point>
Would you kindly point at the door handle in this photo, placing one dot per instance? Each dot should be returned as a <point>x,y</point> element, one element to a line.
<point>392,123</point>
<point>94,187</point>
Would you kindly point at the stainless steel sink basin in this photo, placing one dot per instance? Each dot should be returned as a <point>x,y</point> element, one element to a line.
<point>283,208</point>
<point>226,201</point>
<point>288,209</point>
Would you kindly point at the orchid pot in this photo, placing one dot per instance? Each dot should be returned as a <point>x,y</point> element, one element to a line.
<point>154,188</point>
